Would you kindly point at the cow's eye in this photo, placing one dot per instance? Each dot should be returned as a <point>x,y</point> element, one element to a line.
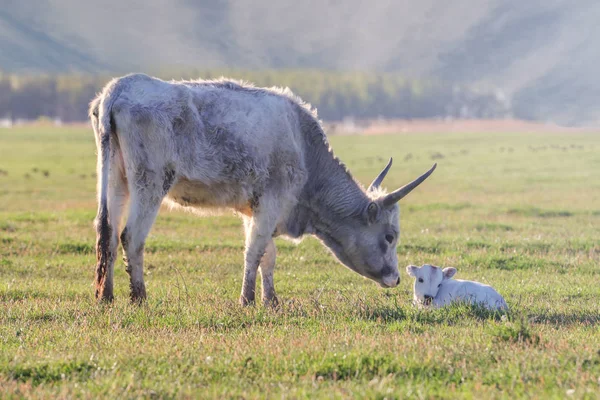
<point>389,238</point>
<point>420,280</point>
<point>440,285</point>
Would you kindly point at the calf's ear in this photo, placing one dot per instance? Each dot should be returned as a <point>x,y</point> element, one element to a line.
<point>412,270</point>
<point>449,272</point>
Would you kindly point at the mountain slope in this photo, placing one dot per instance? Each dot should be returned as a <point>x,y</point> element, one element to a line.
<point>540,53</point>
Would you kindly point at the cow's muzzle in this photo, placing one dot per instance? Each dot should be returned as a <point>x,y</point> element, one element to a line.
<point>390,281</point>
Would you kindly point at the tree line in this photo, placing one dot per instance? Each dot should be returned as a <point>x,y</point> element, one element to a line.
<point>337,95</point>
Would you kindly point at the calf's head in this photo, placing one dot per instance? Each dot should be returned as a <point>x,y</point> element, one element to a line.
<point>428,280</point>
<point>366,243</point>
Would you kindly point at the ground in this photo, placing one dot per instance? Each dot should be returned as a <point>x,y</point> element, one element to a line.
<point>518,211</point>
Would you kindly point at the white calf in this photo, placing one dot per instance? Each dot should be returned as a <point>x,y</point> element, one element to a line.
<point>434,286</point>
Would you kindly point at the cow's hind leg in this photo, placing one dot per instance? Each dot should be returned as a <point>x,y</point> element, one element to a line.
<point>116,200</point>
<point>147,191</point>
<point>267,266</point>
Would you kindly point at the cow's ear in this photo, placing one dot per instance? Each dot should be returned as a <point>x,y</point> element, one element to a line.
<point>449,272</point>
<point>412,270</point>
<point>372,212</point>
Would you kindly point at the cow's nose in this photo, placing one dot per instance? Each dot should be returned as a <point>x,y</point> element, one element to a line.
<point>389,281</point>
<point>428,297</point>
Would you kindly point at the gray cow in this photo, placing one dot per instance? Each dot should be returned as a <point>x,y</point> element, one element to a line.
<point>225,144</point>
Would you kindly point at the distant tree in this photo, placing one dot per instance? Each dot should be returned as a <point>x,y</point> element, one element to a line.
<point>5,97</point>
<point>336,94</point>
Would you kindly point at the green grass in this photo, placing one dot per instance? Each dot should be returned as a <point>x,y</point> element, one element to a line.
<point>526,221</point>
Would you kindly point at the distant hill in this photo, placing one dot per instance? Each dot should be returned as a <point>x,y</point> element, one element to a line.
<point>541,54</point>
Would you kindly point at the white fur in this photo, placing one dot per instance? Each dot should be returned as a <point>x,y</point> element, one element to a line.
<point>434,286</point>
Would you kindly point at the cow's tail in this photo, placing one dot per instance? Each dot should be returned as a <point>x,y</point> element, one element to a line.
<point>105,131</point>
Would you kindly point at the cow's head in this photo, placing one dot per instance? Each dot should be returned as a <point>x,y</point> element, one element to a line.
<point>366,242</point>
<point>428,280</point>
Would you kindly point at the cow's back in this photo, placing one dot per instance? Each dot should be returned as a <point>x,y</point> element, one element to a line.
<point>226,142</point>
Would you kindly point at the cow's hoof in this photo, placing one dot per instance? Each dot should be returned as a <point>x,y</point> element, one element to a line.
<point>104,296</point>
<point>138,301</point>
<point>272,303</point>
<point>105,300</point>
<point>245,302</point>
<point>138,294</point>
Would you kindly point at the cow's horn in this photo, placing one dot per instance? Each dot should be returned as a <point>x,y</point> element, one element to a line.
<point>395,196</point>
<point>375,184</point>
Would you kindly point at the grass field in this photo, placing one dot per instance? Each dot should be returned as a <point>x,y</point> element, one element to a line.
<point>518,211</point>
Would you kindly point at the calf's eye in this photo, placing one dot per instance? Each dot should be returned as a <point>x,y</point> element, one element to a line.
<point>420,280</point>
<point>389,238</point>
<point>440,285</point>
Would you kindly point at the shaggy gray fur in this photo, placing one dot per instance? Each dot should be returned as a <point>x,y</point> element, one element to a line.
<point>224,144</point>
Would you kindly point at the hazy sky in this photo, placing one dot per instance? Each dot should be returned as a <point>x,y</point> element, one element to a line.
<point>536,51</point>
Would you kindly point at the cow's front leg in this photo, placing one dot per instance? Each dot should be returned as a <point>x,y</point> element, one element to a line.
<point>267,266</point>
<point>259,232</point>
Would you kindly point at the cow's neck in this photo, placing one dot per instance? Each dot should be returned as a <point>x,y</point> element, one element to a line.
<point>329,196</point>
